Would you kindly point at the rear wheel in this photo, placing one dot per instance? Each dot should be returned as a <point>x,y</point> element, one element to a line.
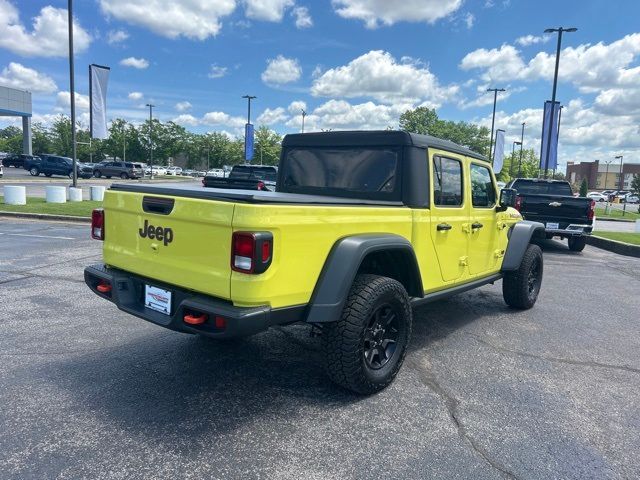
<point>34,171</point>
<point>520,289</point>
<point>124,176</point>
<point>577,244</point>
<point>97,174</point>
<point>366,347</point>
<point>48,175</point>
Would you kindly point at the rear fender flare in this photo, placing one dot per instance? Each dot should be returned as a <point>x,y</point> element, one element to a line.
<point>520,237</point>
<point>342,265</point>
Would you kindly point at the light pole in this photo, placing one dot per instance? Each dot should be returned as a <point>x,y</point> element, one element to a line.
<point>521,144</point>
<point>621,182</point>
<point>150,139</point>
<point>560,30</point>
<point>304,114</point>
<point>124,143</point>
<point>72,92</point>
<point>249,98</point>
<point>513,157</point>
<point>493,118</point>
<point>606,175</point>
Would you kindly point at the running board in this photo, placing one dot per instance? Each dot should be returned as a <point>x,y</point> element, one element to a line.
<point>449,292</point>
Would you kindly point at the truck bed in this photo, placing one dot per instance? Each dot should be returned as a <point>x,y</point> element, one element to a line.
<point>244,196</point>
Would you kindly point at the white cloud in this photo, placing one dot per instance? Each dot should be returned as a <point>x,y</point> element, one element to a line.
<point>49,36</point>
<point>532,40</point>
<point>281,70</point>
<point>223,119</point>
<point>377,12</point>
<point>136,96</point>
<point>183,106</point>
<point>18,76</point>
<point>139,63</point>
<point>469,19</point>
<point>378,75</point>
<point>116,36</point>
<point>267,10</point>
<point>296,107</point>
<point>63,101</point>
<point>271,116</point>
<point>303,18</point>
<point>195,19</point>
<point>186,119</point>
<point>217,71</point>
<point>590,68</point>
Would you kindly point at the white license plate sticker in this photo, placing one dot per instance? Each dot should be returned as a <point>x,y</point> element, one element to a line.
<point>157,299</point>
<point>553,226</point>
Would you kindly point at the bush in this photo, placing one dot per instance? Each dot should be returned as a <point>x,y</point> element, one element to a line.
<point>584,188</point>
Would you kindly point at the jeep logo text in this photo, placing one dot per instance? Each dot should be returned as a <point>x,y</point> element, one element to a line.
<point>163,234</point>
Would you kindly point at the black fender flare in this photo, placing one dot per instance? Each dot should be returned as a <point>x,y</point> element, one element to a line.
<point>520,237</point>
<point>341,267</point>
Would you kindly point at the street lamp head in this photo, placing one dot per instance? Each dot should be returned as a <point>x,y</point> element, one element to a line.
<point>551,30</point>
<point>572,29</point>
<point>619,157</point>
<point>518,143</point>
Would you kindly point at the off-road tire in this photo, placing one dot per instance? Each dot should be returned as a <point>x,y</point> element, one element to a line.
<point>577,244</point>
<point>516,286</point>
<point>344,340</point>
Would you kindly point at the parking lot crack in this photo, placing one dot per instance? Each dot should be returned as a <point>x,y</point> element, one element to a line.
<point>568,361</point>
<point>452,405</point>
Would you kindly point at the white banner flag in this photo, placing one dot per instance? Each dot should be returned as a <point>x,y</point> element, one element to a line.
<point>498,152</point>
<point>98,79</point>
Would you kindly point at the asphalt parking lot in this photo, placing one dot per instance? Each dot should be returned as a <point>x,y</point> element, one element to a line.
<point>87,391</point>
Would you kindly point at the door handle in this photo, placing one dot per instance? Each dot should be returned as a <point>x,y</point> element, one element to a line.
<point>476,226</point>
<point>443,226</point>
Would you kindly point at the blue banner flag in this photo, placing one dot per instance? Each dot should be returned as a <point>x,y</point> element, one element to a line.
<point>498,152</point>
<point>550,121</point>
<point>248,142</point>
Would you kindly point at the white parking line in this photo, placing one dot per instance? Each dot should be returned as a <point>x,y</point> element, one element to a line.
<point>36,236</point>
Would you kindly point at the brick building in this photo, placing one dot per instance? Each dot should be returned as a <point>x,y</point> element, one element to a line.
<point>601,176</point>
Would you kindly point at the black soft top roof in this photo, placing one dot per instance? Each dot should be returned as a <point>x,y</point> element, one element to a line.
<point>375,138</point>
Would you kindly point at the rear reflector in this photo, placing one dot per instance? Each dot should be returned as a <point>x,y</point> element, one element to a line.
<point>251,252</point>
<point>220,323</point>
<point>518,205</point>
<point>592,210</point>
<point>97,224</point>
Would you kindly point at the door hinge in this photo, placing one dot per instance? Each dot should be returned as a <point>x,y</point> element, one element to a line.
<point>464,261</point>
<point>499,253</point>
<point>466,228</point>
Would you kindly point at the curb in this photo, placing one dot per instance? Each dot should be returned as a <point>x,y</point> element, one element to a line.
<point>607,219</point>
<point>46,216</point>
<point>614,246</point>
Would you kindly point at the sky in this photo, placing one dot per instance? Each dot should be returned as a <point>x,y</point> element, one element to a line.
<point>350,64</point>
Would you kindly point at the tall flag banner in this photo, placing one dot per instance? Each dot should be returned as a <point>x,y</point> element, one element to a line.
<point>98,79</point>
<point>248,142</point>
<point>550,120</point>
<point>498,152</point>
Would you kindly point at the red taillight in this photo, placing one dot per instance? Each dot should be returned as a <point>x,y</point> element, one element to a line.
<point>251,251</point>
<point>97,224</point>
<point>261,186</point>
<point>592,210</point>
<point>518,205</point>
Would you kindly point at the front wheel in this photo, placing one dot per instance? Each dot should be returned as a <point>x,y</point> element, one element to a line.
<point>577,244</point>
<point>34,171</point>
<point>364,350</point>
<point>97,174</point>
<point>520,288</point>
<point>124,176</point>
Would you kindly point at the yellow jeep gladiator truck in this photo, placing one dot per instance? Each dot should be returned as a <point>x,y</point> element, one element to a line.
<point>362,227</point>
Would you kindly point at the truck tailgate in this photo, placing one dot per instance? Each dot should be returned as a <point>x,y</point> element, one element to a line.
<point>563,210</point>
<point>177,240</point>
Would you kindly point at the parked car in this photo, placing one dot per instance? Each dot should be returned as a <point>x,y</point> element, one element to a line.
<point>364,227</point>
<point>17,160</point>
<point>216,172</point>
<point>53,165</point>
<point>245,177</point>
<point>159,170</point>
<point>123,170</point>
<point>551,202</point>
<point>174,171</point>
<point>631,198</point>
<point>598,197</point>
<point>188,173</point>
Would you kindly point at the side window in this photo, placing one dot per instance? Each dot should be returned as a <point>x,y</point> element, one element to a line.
<point>483,193</point>
<point>447,182</point>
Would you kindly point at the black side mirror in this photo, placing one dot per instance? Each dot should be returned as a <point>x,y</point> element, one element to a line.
<point>507,198</point>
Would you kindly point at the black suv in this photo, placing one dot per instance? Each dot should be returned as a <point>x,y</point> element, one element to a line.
<point>54,165</point>
<point>17,160</point>
<point>117,169</point>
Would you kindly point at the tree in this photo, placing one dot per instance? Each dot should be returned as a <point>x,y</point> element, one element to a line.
<point>425,121</point>
<point>268,145</point>
<point>635,184</point>
<point>584,188</point>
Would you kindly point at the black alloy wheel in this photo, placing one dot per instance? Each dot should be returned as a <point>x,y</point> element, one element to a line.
<point>381,337</point>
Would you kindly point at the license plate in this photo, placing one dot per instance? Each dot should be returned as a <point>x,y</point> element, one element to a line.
<point>157,299</point>
<point>553,226</point>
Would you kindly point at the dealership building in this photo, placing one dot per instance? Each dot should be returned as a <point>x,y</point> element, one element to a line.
<point>17,103</point>
<point>602,176</point>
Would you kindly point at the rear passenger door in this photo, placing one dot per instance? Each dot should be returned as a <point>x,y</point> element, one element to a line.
<point>449,214</point>
<point>484,245</point>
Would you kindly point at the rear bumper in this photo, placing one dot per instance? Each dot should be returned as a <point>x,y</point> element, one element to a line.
<point>570,231</point>
<point>127,292</point>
